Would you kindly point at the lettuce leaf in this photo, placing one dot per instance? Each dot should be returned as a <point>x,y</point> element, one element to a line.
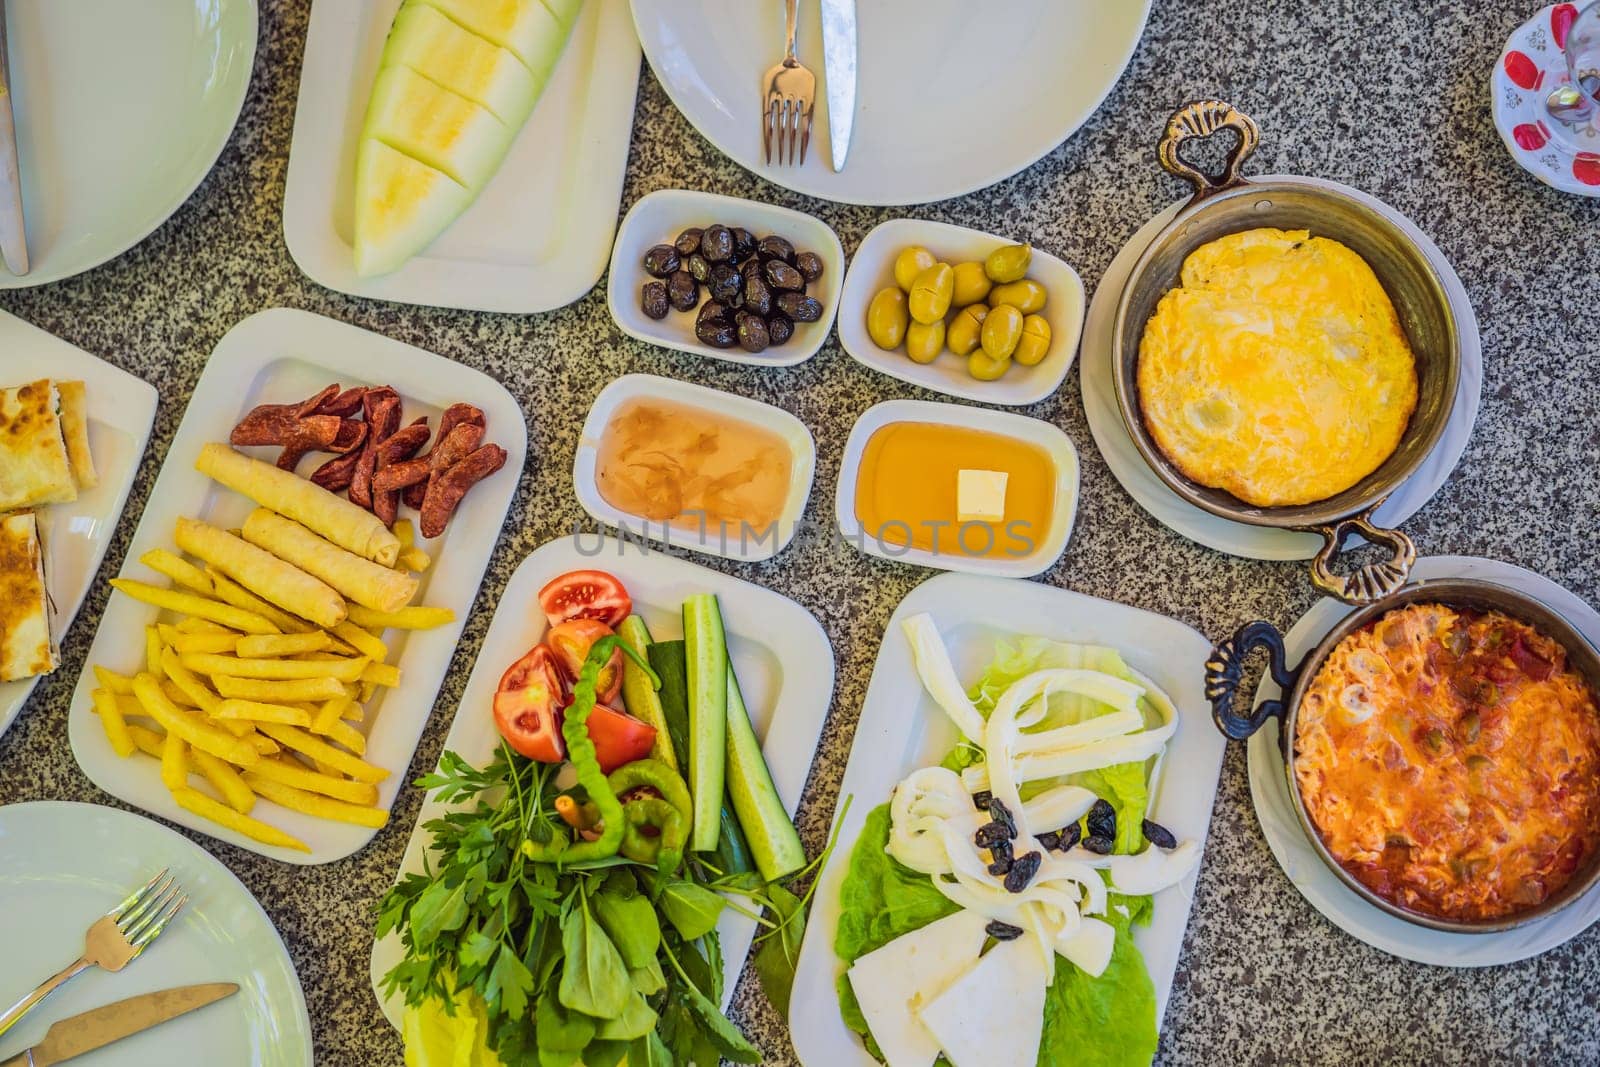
<point>1108,1021</point>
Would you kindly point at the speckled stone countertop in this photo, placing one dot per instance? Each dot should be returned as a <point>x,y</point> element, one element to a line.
<point>1386,95</point>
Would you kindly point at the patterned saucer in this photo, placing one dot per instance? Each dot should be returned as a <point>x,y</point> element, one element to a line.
<point>1531,67</point>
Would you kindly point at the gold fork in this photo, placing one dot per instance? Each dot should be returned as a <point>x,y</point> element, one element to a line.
<point>790,91</point>
<point>115,940</point>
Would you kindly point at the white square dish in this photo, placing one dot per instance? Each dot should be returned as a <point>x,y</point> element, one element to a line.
<point>872,268</point>
<point>280,356</point>
<point>660,216</point>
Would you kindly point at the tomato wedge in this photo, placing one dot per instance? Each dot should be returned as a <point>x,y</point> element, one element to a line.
<point>528,705</point>
<point>585,595</point>
<point>618,737</point>
<point>570,643</point>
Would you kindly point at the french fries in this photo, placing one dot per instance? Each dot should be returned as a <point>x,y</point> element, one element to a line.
<point>258,646</point>
<point>217,812</point>
<point>312,804</point>
<point>415,617</point>
<point>190,604</point>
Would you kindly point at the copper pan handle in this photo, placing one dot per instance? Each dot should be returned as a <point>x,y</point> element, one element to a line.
<point>1373,581</point>
<point>1201,119</point>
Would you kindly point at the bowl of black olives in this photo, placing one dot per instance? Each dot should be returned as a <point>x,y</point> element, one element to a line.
<point>728,278</point>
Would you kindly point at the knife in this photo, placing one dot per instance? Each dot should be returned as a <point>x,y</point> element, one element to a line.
<point>13,237</point>
<point>839,68</point>
<point>100,1027</point>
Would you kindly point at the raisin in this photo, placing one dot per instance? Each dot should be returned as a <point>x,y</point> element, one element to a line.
<point>1070,835</point>
<point>1102,820</point>
<point>1001,865</point>
<point>990,835</point>
<point>1099,845</point>
<point>981,799</point>
<point>1023,868</point>
<point>1002,931</point>
<point>1158,835</point>
<point>1048,841</point>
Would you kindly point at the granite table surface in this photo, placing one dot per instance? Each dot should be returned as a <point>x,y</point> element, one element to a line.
<point>1385,95</point>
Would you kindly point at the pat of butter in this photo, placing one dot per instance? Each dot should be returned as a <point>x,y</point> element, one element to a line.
<point>980,496</point>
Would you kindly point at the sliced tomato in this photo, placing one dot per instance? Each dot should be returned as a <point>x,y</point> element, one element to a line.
<point>527,706</point>
<point>570,643</point>
<point>585,595</point>
<point>618,737</point>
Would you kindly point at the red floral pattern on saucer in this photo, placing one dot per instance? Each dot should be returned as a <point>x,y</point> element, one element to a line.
<point>1531,67</point>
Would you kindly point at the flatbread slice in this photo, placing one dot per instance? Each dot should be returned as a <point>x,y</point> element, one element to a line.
<point>75,432</point>
<point>34,468</point>
<point>25,645</point>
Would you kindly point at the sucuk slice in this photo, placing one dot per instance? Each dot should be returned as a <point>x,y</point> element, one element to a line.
<point>442,51</point>
<point>435,126</point>
<point>892,982</point>
<point>401,206</point>
<point>994,1013</point>
<point>525,27</point>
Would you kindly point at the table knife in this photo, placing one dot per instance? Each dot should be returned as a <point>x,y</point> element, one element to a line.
<point>100,1027</point>
<point>839,70</point>
<point>13,237</point>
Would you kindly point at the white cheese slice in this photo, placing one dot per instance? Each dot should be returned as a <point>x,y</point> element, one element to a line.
<point>981,496</point>
<point>1089,946</point>
<point>892,982</point>
<point>994,1014</point>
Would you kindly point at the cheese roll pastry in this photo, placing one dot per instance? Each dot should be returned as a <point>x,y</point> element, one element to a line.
<point>25,645</point>
<point>34,466</point>
<point>264,574</point>
<point>367,583</point>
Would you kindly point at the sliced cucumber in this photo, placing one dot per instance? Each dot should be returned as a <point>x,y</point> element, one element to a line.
<point>639,693</point>
<point>706,652</point>
<point>670,664</point>
<point>774,842</point>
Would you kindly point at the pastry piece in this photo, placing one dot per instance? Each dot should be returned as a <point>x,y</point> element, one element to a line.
<point>75,432</point>
<point>34,468</point>
<point>25,645</point>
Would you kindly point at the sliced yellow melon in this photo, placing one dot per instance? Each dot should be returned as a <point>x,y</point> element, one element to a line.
<point>445,130</point>
<point>401,206</point>
<point>565,11</point>
<point>461,61</point>
<point>525,27</point>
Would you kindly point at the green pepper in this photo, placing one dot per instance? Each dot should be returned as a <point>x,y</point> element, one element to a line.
<point>671,813</point>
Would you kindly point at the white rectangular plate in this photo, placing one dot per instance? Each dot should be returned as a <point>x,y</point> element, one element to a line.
<point>537,237</point>
<point>281,356</point>
<point>781,655</point>
<point>901,729</point>
<point>121,410</point>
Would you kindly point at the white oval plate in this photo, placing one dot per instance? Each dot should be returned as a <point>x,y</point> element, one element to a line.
<point>67,864</point>
<point>660,216</point>
<point>121,109</point>
<point>281,356</point>
<point>873,269</point>
<point>1021,427</point>
<point>1339,904</point>
<point>901,729</point>
<point>76,535</point>
<point>951,95</point>
<point>750,546</point>
<point>778,649</point>
<point>536,237</point>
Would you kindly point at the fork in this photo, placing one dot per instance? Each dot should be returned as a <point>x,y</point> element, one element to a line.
<point>115,940</point>
<point>790,92</point>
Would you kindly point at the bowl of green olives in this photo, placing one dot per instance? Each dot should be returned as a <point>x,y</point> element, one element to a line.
<point>961,312</point>
<point>732,279</point>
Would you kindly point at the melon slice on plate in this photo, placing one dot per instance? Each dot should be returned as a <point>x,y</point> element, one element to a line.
<point>442,51</point>
<point>403,206</point>
<point>445,130</point>
<point>525,27</point>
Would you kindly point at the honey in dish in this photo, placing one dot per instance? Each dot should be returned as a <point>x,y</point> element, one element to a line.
<point>906,490</point>
<point>673,463</point>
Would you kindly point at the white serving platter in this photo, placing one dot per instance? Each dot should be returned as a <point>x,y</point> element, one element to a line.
<point>659,217</point>
<point>121,411</point>
<point>121,109</point>
<point>1048,437</point>
<point>873,269</point>
<point>536,238</point>
<point>779,652</point>
<point>281,356</point>
<point>749,546</point>
<point>901,729</point>
<point>67,864</point>
<point>951,95</point>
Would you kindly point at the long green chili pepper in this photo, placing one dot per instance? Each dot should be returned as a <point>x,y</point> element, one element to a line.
<point>671,814</point>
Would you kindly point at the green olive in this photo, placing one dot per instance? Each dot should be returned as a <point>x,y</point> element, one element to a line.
<point>962,337</point>
<point>1001,331</point>
<point>972,285</point>
<point>887,318</point>
<point>1034,344</point>
<point>910,263</point>
<point>1027,296</point>
<point>924,341</point>
<point>985,369</point>
<point>1008,264</point>
<point>930,293</point>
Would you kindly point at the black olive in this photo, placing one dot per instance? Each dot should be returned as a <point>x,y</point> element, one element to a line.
<point>682,292</point>
<point>744,243</point>
<point>799,307</point>
<point>1102,820</point>
<point>779,328</point>
<point>1158,835</point>
<point>1002,931</point>
<point>809,264</point>
<point>990,835</point>
<point>782,276</point>
<point>758,296</point>
<point>1048,841</point>
<point>661,260</point>
<point>735,298</point>
<point>653,299</point>
<point>1099,845</point>
<point>1002,815</point>
<point>1070,835</point>
<point>981,798</point>
<point>716,243</point>
<point>724,282</point>
<point>700,268</point>
<point>775,247</point>
<point>753,334</point>
<point>718,333</point>
<point>712,309</point>
<point>1023,868</point>
<point>688,241</point>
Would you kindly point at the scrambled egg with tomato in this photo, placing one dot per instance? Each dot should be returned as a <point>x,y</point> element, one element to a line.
<point>1450,761</point>
<point>1278,370</point>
